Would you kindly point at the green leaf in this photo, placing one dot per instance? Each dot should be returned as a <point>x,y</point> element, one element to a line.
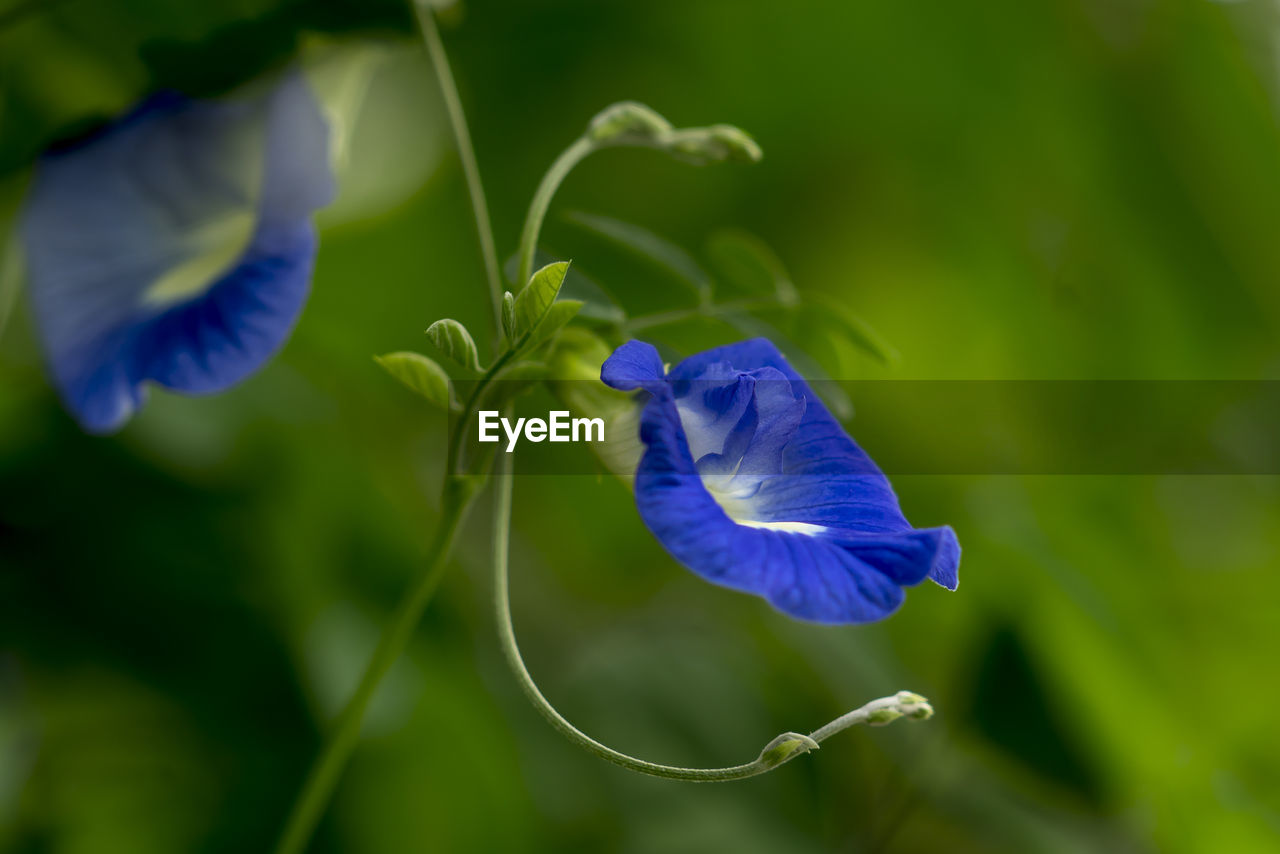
<point>560,313</point>
<point>660,251</point>
<point>598,303</point>
<point>747,261</point>
<point>536,299</point>
<point>420,375</point>
<point>456,342</point>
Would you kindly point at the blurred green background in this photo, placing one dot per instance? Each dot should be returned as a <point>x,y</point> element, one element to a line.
<point>1083,189</point>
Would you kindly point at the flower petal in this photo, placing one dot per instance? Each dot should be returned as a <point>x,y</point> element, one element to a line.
<point>906,558</point>
<point>779,415</point>
<point>175,246</point>
<point>634,365</point>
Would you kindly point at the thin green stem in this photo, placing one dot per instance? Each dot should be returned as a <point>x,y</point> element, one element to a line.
<point>324,774</point>
<point>569,158</point>
<point>778,751</point>
<point>457,497</point>
<point>11,263</point>
<point>467,155</point>
<point>10,282</point>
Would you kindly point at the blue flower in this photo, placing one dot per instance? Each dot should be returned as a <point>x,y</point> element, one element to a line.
<point>176,245</point>
<point>749,481</point>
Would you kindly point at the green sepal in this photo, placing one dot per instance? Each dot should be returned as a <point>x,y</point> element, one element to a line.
<point>453,339</point>
<point>421,376</point>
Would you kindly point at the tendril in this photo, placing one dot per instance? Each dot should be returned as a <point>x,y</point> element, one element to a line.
<point>778,751</point>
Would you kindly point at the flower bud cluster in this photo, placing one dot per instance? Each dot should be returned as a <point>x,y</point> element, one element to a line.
<point>632,123</point>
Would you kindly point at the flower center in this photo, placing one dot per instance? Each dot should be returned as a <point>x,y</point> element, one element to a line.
<point>737,429</point>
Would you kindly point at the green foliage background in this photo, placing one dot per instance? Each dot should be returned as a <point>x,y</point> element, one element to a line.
<point>1062,189</point>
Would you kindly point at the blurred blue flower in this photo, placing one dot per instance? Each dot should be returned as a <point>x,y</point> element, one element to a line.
<point>749,481</point>
<point>176,245</point>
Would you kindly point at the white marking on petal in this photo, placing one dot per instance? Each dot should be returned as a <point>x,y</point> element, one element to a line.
<point>792,527</point>
<point>213,248</point>
<point>740,506</point>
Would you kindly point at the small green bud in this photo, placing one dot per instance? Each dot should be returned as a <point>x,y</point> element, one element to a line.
<point>921,712</point>
<point>914,706</point>
<point>508,314</point>
<point>632,123</point>
<point>883,717</point>
<point>628,122</point>
<point>718,142</point>
<point>784,747</point>
<point>738,144</point>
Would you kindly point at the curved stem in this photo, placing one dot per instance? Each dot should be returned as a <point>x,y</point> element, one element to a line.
<point>778,751</point>
<point>467,155</point>
<point>569,158</point>
<point>324,774</point>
